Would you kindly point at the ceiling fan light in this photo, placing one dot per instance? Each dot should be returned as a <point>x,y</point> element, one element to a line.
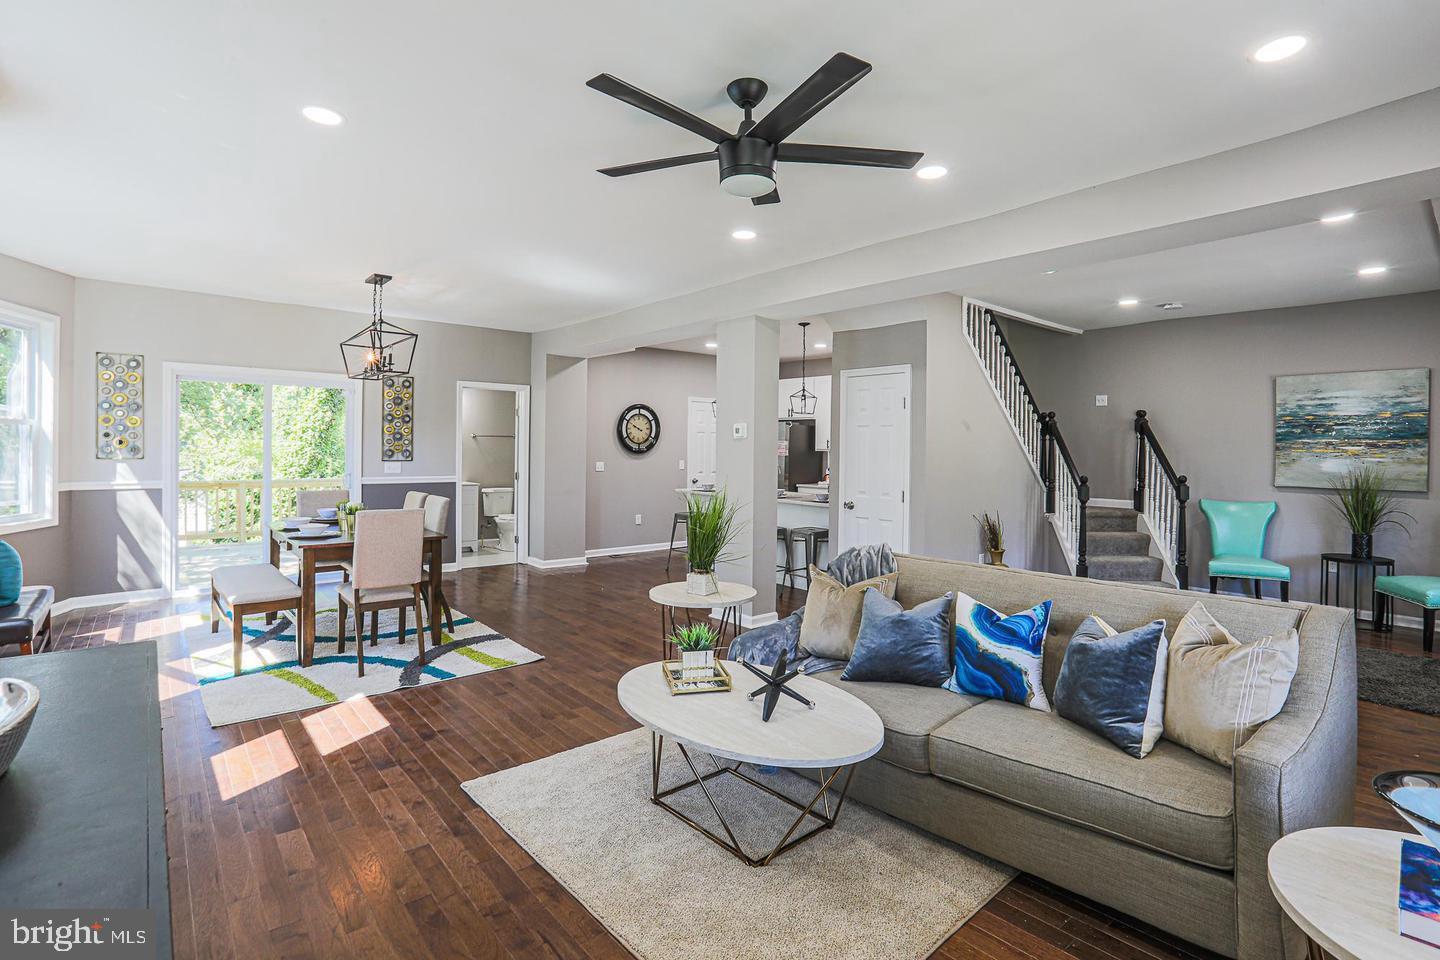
<point>747,185</point>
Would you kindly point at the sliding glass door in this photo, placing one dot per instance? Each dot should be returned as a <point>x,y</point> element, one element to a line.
<point>245,442</point>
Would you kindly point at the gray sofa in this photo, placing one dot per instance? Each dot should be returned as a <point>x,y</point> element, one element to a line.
<point>1174,839</point>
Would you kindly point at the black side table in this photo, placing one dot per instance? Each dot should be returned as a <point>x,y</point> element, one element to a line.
<point>1335,561</point>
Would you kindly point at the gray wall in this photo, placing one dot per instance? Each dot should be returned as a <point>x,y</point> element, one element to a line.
<point>814,367</point>
<point>639,483</point>
<point>487,442</point>
<point>391,496</point>
<point>1208,384</point>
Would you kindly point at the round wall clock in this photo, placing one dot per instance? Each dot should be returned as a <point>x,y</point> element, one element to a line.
<point>638,428</point>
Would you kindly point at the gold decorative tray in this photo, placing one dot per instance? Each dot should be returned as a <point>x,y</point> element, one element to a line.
<point>717,682</point>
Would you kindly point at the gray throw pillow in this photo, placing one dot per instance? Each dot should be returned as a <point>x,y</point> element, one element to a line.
<point>1113,683</point>
<point>902,646</point>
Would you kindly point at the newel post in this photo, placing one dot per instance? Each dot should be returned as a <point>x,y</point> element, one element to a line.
<point>1082,558</point>
<point>1048,459</point>
<point>1140,422</point>
<point>1182,561</point>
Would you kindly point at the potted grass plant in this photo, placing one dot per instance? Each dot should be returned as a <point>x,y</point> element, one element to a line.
<point>1360,498</point>
<point>992,536</point>
<point>711,528</point>
<point>697,650</point>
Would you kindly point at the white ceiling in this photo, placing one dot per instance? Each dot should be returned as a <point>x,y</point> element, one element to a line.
<point>1311,263</point>
<point>160,142</point>
<point>818,333</point>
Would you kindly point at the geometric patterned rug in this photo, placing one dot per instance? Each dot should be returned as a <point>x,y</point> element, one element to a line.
<point>272,681</point>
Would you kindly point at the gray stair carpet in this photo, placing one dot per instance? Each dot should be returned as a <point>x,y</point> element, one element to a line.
<point>1117,550</point>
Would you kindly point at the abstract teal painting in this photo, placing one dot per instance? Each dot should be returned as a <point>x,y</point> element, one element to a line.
<point>1327,422</point>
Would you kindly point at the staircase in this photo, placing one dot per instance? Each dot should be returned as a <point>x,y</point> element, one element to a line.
<point>1119,549</point>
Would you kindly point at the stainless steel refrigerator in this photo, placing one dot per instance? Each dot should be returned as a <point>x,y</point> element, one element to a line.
<point>799,461</point>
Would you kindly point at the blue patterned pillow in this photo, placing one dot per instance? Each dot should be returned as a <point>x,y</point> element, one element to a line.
<point>1000,657</point>
<point>1113,683</point>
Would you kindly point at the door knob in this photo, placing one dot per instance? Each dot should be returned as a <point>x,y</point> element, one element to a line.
<point>849,504</point>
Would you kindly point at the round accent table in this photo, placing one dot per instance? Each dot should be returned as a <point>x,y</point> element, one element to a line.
<point>836,735</point>
<point>672,597</point>
<point>1340,885</point>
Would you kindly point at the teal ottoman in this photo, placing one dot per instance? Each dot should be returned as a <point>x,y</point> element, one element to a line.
<point>1424,592</point>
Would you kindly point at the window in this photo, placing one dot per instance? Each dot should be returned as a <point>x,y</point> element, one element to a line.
<point>27,418</point>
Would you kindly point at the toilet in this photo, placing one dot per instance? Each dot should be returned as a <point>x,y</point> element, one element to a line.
<point>498,503</point>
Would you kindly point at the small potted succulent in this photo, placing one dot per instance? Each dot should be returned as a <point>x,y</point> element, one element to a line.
<point>992,536</point>
<point>697,650</point>
<point>711,527</point>
<point>1361,499</point>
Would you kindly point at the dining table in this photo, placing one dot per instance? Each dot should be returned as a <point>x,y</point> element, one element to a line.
<point>315,552</point>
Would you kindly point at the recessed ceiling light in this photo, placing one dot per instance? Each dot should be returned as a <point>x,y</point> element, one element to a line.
<point>1373,271</point>
<point>1127,302</point>
<point>1338,217</point>
<point>1049,272</point>
<point>819,346</point>
<point>932,172</point>
<point>711,345</point>
<point>743,234</point>
<point>1280,48</point>
<point>1172,305</point>
<point>323,116</point>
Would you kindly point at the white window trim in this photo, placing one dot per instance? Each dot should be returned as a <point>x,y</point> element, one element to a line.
<point>44,328</point>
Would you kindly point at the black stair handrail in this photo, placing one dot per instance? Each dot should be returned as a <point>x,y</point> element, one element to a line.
<point>1179,486</point>
<point>1057,454</point>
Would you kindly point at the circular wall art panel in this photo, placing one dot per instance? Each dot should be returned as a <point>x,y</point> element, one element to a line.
<point>397,418</point>
<point>119,406</point>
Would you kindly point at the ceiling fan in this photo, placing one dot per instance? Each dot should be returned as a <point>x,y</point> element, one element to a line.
<point>747,157</point>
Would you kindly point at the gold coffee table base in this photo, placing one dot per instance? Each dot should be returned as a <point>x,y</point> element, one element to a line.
<point>807,810</point>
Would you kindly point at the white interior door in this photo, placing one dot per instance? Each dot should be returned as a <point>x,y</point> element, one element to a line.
<point>700,442</point>
<point>875,457</point>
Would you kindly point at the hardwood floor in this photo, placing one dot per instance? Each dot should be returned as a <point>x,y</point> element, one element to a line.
<point>343,831</point>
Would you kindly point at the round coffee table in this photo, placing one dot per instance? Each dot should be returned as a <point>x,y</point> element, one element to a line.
<point>834,736</point>
<point>673,596</point>
<point>1341,885</point>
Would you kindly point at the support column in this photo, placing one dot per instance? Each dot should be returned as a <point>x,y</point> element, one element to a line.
<point>747,375</point>
<point>557,458</point>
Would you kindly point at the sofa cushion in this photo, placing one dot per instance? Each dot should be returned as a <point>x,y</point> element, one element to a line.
<point>1173,801</point>
<point>832,613</point>
<point>902,646</point>
<point>1000,656</point>
<point>909,714</point>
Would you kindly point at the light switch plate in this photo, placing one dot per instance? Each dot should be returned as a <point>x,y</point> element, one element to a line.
<point>682,464</point>
<point>1102,400</point>
<point>599,466</point>
<point>740,431</point>
<point>638,520</point>
<point>392,468</point>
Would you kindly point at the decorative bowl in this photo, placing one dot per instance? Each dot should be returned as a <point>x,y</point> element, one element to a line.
<point>18,700</point>
<point>327,513</point>
<point>1415,795</point>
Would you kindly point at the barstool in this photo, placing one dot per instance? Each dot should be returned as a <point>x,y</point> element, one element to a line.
<point>812,537</point>
<point>782,534</point>
<point>681,517</point>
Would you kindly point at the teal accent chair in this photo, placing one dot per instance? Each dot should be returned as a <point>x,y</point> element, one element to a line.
<point>1237,544</point>
<point>1424,592</point>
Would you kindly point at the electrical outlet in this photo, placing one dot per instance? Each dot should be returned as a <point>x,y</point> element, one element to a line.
<point>392,468</point>
<point>740,431</point>
<point>638,520</point>
<point>599,466</point>
<point>980,557</point>
<point>1102,400</point>
<point>682,464</point>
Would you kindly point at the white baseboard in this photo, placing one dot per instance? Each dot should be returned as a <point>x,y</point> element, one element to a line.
<point>540,564</point>
<point>757,620</point>
<point>633,548</point>
<point>106,599</point>
<point>1110,502</point>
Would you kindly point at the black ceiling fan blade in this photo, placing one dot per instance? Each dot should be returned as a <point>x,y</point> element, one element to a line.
<point>839,74</point>
<point>646,166</point>
<point>848,156</point>
<point>620,90</point>
<point>772,197</point>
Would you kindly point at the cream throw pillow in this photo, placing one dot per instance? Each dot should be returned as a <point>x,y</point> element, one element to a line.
<point>832,613</point>
<point>1221,690</point>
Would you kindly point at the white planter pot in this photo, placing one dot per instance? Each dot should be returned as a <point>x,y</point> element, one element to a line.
<point>701,584</point>
<point>696,664</point>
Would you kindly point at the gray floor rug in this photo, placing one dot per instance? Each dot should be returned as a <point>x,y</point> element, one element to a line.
<point>1399,680</point>
<point>872,888</point>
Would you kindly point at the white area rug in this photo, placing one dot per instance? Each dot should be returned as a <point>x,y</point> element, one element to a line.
<point>872,888</point>
<point>272,680</point>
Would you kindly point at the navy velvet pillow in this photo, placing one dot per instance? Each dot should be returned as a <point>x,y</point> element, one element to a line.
<point>1113,683</point>
<point>899,645</point>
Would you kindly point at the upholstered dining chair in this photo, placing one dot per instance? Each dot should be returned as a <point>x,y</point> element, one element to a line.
<point>384,575</point>
<point>309,503</point>
<point>1237,543</point>
<point>415,499</point>
<point>437,514</point>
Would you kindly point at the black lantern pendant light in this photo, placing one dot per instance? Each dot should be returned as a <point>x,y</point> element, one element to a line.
<point>802,401</point>
<point>382,349</point>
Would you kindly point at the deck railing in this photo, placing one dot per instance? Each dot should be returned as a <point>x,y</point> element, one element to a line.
<point>220,511</point>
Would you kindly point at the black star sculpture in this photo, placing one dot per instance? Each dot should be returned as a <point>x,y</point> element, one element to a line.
<point>775,682</point>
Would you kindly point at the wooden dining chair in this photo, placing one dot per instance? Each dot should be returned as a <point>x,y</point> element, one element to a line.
<point>384,575</point>
<point>415,499</point>
<point>309,503</point>
<point>437,514</point>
